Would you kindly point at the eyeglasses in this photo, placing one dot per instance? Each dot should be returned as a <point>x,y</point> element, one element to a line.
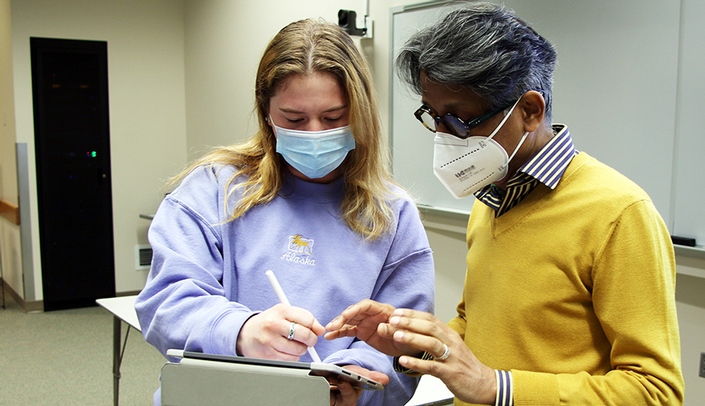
<point>453,123</point>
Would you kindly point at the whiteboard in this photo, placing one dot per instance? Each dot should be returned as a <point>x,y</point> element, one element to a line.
<point>689,171</point>
<point>615,87</point>
<point>411,142</point>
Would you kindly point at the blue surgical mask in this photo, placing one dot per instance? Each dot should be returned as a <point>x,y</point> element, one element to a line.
<point>314,153</point>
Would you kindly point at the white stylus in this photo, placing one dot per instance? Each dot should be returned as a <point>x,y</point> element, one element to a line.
<point>282,298</point>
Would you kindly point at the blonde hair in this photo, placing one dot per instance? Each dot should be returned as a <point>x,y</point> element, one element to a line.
<point>302,48</point>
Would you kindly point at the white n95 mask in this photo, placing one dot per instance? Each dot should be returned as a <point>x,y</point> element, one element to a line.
<point>314,153</point>
<point>466,166</point>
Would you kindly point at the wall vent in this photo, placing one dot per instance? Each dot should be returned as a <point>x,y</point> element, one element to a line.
<point>143,257</point>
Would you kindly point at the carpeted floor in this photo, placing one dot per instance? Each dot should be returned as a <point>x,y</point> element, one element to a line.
<point>65,358</point>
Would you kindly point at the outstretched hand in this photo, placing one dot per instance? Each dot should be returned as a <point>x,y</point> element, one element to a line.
<point>404,332</point>
<point>453,362</point>
<point>368,320</point>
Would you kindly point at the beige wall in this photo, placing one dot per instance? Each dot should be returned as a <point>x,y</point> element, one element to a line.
<point>181,81</point>
<point>8,180</point>
<point>9,232</point>
<point>147,105</point>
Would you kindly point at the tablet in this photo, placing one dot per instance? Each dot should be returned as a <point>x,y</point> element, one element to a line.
<point>315,368</point>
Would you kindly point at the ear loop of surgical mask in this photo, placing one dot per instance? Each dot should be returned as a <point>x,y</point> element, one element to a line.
<point>499,127</point>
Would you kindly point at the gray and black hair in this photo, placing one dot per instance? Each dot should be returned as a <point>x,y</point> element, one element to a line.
<point>486,48</point>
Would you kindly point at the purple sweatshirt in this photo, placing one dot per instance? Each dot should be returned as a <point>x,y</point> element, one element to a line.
<point>208,274</point>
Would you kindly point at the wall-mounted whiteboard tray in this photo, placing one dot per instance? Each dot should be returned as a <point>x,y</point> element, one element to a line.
<point>695,252</point>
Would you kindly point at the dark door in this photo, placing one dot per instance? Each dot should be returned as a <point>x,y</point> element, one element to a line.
<point>72,148</point>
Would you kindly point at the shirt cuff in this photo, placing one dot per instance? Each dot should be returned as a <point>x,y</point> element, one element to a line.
<point>406,371</point>
<point>504,397</point>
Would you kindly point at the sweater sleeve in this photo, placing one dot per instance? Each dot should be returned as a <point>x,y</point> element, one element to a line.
<point>183,304</point>
<point>636,262</point>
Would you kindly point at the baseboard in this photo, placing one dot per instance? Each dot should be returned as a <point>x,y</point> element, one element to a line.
<point>28,307</point>
<point>129,293</point>
<point>38,305</point>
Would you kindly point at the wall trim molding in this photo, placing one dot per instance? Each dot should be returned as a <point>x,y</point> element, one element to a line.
<point>28,306</point>
<point>10,211</point>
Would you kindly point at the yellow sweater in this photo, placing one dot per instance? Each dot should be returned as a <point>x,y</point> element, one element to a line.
<point>573,290</point>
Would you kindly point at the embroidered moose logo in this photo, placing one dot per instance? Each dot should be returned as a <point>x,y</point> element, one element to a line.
<point>300,245</point>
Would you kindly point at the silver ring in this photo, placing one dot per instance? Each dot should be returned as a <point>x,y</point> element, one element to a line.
<point>292,329</point>
<point>445,355</point>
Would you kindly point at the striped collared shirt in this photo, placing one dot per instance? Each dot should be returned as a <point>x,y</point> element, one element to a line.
<point>546,167</point>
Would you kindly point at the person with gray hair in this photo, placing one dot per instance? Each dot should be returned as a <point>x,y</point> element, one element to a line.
<point>569,293</point>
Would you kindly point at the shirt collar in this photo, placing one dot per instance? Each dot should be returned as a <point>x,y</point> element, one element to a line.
<point>549,164</point>
<point>547,167</point>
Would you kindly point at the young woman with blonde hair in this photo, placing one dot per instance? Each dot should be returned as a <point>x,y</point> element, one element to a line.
<point>309,197</point>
